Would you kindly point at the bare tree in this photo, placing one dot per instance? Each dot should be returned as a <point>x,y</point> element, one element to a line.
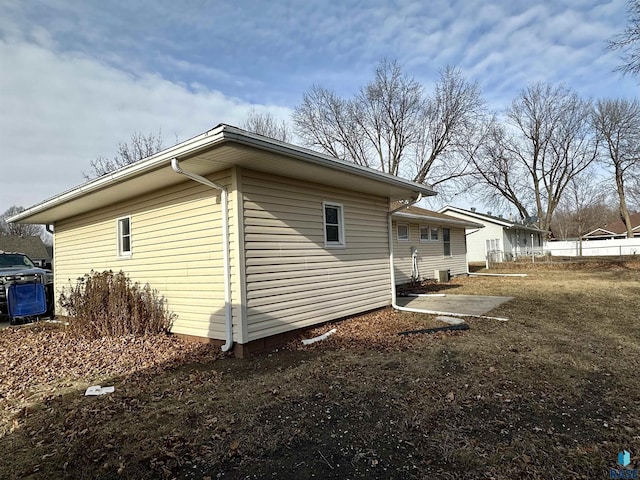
<point>617,123</point>
<point>545,141</point>
<point>387,112</point>
<point>628,41</point>
<point>584,206</point>
<point>324,121</point>
<point>140,146</point>
<point>18,229</point>
<point>453,126</point>
<point>633,191</point>
<point>266,124</point>
<point>393,126</point>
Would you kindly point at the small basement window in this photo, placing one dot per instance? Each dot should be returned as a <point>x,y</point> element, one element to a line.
<point>124,236</point>
<point>403,232</point>
<point>333,225</point>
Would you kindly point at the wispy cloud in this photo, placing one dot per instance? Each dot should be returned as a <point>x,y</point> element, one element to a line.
<point>61,110</point>
<point>77,77</point>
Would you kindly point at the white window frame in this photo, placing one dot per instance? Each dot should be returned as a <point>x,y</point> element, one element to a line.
<point>341,243</point>
<point>121,252</point>
<point>402,239</point>
<point>430,230</point>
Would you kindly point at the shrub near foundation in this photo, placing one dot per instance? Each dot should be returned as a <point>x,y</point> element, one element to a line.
<point>110,304</point>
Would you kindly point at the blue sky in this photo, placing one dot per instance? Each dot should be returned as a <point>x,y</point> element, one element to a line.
<point>77,77</point>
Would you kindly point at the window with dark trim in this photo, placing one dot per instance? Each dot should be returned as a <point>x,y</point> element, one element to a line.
<point>403,232</point>
<point>446,241</point>
<point>424,233</point>
<point>333,224</point>
<point>124,236</point>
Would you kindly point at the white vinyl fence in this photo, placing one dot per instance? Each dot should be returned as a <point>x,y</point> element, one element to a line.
<point>594,248</point>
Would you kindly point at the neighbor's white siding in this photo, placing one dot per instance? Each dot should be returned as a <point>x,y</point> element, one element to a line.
<point>430,254</point>
<point>477,238</point>
<point>292,279</point>
<point>176,248</point>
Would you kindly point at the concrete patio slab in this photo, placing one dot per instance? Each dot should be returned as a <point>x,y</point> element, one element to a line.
<point>461,304</point>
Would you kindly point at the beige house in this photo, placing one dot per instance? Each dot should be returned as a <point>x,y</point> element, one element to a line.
<point>246,237</point>
<point>426,242</point>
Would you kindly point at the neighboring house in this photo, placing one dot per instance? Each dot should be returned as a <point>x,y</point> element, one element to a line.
<point>501,239</point>
<point>615,230</point>
<point>425,242</point>
<point>32,246</point>
<point>248,238</point>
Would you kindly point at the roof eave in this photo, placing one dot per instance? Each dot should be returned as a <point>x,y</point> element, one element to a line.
<point>445,221</point>
<point>191,146</point>
<point>220,134</point>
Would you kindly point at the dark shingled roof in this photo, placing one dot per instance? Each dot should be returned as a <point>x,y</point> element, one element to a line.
<point>33,247</point>
<point>617,227</point>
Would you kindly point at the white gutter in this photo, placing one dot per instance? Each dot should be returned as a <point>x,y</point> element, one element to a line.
<point>158,160</point>
<point>276,146</point>
<point>175,165</point>
<point>443,221</point>
<point>220,134</point>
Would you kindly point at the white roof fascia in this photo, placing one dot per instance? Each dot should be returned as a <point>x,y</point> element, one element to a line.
<point>604,232</point>
<point>427,218</point>
<point>219,134</point>
<point>482,217</point>
<point>476,215</point>
<point>192,145</point>
<point>282,148</point>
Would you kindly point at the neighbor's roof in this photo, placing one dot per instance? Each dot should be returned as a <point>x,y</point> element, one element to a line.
<point>32,246</point>
<point>616,228</point>
<point>424,215</point>
<point>485,217</point>
<point>222,147</point>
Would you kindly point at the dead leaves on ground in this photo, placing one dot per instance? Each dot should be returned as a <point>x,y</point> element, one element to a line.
<point>374,331</point>
<point>37,360</point>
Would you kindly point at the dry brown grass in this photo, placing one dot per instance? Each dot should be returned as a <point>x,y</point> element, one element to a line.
<point>553,393</point>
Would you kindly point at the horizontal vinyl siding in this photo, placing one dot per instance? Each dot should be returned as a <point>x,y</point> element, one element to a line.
<point>430,254</point>
<point>292,280</point>
<point>176,239</point>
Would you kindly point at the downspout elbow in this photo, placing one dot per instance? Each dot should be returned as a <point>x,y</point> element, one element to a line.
<point>224,200</point>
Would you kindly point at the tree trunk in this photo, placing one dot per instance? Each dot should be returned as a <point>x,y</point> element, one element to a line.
<point>624,211</point>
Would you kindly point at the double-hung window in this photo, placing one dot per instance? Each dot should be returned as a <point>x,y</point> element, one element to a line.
<point>429,233</point>
<point>446,241</point>
<point>403,232</point>
<point>124,237</point>
<point>333,225</point>
<point>424,233</point>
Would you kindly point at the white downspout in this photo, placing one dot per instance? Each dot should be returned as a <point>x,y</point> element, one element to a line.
<point>175,165</point>
<point>394,305</point>
<point>391,265</point>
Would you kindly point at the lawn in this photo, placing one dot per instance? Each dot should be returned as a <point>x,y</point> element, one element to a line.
<point>552,393</point>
